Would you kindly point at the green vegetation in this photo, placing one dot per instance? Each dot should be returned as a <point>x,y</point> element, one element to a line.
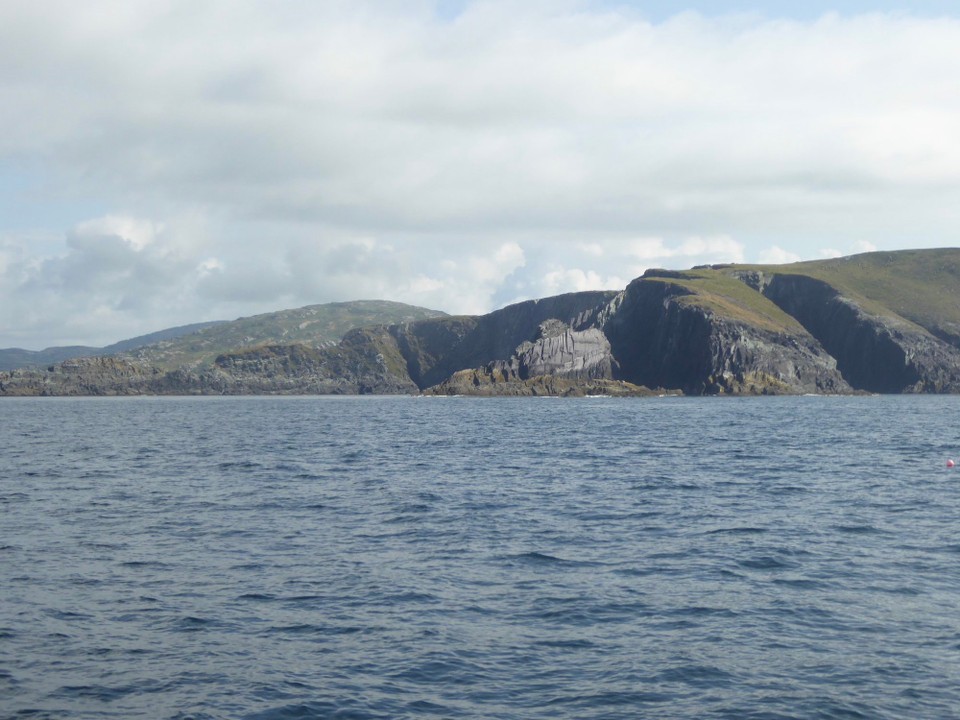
<point>922,286</point>
<point>728,297</point>
<point>316,326</point>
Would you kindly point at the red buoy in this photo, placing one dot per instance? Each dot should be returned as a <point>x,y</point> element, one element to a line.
<point>950,463</point>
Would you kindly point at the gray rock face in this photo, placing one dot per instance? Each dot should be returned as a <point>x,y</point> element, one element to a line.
<point>82,376</point>
<point>435,349</point>
<point>560,350</point>
<point>877,353</point>
<point>661,341</point>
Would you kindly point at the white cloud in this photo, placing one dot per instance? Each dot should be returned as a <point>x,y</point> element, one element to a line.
<point>208,267</point>
<point>721,248</point>
<point>778,256</point>
<point>564,280</point>
<point>863,246</point>
<point>648,249</point>
<point>135,232</point>
<point>237,158</point>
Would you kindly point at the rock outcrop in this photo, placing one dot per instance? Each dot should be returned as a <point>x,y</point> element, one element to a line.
<point>558,349</point>
<point>437,348</point>
<point>665,333</point>
<point>491,382</point>
<point>82,376</point>
<point>875,351</point>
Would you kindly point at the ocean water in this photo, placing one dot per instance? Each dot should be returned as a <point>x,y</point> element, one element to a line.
<point>279,558</point>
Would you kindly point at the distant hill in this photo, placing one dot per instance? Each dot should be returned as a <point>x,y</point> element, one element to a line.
<point>316,326</point>
<point>883,322</point>
<point>199,343</point>
<point>12,358</point>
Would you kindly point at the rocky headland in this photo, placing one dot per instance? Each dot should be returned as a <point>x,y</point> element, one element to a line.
<point>877,322</point>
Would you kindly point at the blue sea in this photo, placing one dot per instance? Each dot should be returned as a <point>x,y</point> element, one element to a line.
<point>281,558</point>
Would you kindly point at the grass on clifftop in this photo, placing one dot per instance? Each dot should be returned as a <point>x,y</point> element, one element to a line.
<point>922,286</point>
<point>730,298</point>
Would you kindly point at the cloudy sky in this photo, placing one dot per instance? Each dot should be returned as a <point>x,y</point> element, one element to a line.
<point>171,161</point>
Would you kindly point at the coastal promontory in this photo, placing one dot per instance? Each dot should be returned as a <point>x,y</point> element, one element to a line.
<point>882,322</point>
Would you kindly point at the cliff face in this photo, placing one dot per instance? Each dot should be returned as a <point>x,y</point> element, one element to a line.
<point>877,352</point>
<point>557,361</point>
<point>560,350</point>
<point>81,376</point>
<point>435,349</point>
<point>667,334</point>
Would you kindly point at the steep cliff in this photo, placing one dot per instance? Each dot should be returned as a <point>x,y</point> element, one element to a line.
<point>435,349</point>
<point>558,349</point>
<point>82,376</point>
<point>557,361</point>
<point>707,334</point>
<point>891,319</point>
<point>876,349</point>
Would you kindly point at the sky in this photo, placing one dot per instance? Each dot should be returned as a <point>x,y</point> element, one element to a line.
<point>164,162</point>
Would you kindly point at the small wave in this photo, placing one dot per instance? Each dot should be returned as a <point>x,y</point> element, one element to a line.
<point>766,562</point>
<point>307,629</point>
<point>102,545</point>
<point>737,531</point>
<point>66,615</point>
<point>318,709</point>
<point>539,558</point>
<point>191,623</point>
<point>858,529</point>
<point>440,667</point>
<point>614,699</point>
<point>787,490</point>
<point>697,676</point>
<point>704,611</point>
<point>567,644</point>
<point>299,629</point>
<point>800,583</point>
<point>409,597</point>
<point>899,590</point>
<point>150,564</point>
<point>103,693</point>
<point>239,465</point>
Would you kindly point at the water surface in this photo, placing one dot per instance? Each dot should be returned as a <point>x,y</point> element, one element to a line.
<point>514,558</point>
